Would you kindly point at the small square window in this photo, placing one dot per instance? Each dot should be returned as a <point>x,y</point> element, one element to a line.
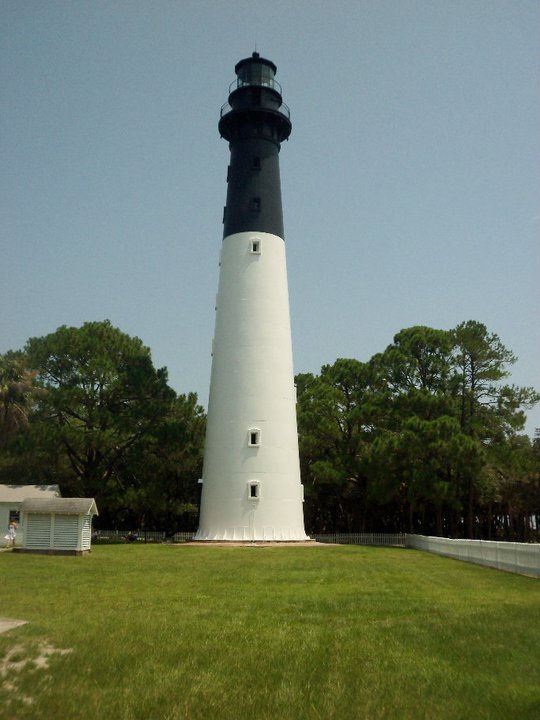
<point>256,163</point>
<point>254,490</point>
<point>254,437</point>
<point>255,247</point>
<point>256,204</point>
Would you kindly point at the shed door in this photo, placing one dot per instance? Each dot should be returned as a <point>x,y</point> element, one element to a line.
<point>66,531</point>
<point>38,531</point>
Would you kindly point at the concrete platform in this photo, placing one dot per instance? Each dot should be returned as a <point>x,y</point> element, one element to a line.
<point>254,543</point>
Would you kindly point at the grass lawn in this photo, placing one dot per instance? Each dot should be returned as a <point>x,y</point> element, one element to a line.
<point>162,632</point>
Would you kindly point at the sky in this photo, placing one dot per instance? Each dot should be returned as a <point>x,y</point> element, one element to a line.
<point>410,181</point>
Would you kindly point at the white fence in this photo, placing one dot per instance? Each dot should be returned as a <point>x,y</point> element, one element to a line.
<point>142,536</point>
<point>521,558</point>
<point>379,539</point>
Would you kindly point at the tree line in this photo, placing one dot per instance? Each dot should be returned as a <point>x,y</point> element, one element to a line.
<point>85,408</point>
<point>424,437</point>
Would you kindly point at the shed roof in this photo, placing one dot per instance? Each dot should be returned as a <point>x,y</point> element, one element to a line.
<point>18,493</point>
<point>60,506</point>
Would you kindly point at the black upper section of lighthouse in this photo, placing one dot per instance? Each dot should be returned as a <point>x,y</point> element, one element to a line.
<point>255,121</point>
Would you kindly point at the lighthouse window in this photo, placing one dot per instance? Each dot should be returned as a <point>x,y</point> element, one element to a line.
<point>256,204</point>
<point>257,163</point>
<point>254,437</point>
<point>256,247</point>
<point>253,490</point>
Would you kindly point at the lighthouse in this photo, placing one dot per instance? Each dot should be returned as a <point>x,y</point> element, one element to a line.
<point>251,488</point>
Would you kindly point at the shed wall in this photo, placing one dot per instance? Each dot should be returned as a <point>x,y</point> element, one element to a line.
<point>57,532</point>
<point>86,533</point>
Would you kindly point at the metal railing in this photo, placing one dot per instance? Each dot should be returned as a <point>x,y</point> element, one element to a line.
<point>282,110</point>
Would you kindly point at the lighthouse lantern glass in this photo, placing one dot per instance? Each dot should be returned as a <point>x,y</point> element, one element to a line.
<point>256,74</point>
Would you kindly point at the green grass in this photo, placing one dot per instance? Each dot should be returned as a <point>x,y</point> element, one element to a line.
<point>162,632</point>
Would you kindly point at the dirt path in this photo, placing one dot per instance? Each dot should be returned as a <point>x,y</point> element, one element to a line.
<point>7,624</point>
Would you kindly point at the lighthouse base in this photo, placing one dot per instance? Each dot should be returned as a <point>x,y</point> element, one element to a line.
<point>247,534</point>
<point>257,543</point>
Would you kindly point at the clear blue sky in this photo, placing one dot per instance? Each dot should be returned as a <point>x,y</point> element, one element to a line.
<point>410,182</point>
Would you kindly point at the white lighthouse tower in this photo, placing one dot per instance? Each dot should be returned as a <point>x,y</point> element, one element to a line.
<point>251,477</point>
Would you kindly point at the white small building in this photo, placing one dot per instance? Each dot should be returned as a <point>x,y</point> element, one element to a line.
<point>11,499</point>
<point>61,526</point>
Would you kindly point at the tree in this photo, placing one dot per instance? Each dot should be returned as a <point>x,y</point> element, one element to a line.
<point>86,409</point>
<point>158,476</point>
<point>418,359</point>
<point>17,395</point>
<point>18,399</point>
<point>335,415</point>
<point>489,412</point>
<point>419,447</point>
<point>509,490</point>
<point>420,437</point>
<point>101,396</point>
